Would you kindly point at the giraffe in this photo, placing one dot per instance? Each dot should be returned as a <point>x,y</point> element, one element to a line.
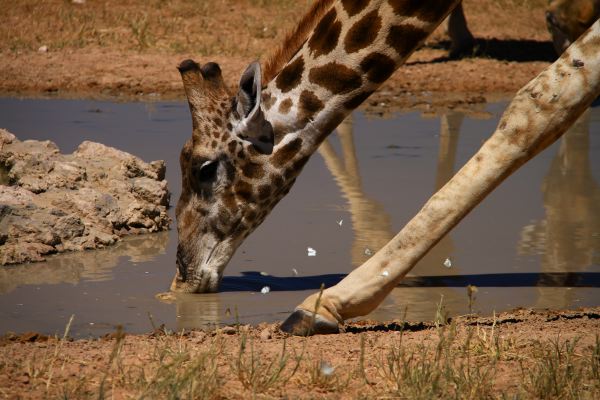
<point>247,150</point>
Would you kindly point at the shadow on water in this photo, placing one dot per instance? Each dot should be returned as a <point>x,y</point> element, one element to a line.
<point>501,49</point>
<point>254,281</point>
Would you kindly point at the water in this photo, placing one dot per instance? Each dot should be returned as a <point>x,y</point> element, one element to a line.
<point>534,242</point>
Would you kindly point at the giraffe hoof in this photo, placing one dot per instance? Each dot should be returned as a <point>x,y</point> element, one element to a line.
<point>303,323</point>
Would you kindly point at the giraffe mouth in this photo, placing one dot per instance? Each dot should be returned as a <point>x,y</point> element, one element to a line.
<point>204,275</point>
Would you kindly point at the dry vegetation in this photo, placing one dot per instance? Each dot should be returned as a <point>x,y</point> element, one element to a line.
<point>170,26</point>
<point>114,48</point>
<point>518,355</point>
<point>246,28</point>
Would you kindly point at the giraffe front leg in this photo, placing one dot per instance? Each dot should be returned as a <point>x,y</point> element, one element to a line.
<point>538,115</point>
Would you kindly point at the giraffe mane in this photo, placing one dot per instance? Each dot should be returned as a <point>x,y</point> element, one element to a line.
<point>294,39</point>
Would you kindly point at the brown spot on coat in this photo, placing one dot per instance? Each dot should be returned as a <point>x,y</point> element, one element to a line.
<point>310,104</point>
<point>405,38</point>
<point>276,181</point>
<point>264,192</point>
<point>232,146</point>
<point>378,67</point>
<point>291,75</point>
<point>356,100</point>
<point>363,33</point>
<point>229,201</point>
<point>326,35</point>
<point>353,7</point>
<point>267,101</point>
<point>336,78</point>
<point>287,152</point>
<point>294,170</point>
<point>253,170</point>
<point>243,190</point>
<point>285,106</point>
<point>250,216</point>
<point>428,11</point>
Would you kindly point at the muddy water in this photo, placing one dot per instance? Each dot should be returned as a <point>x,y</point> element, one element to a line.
<point>534,242</point>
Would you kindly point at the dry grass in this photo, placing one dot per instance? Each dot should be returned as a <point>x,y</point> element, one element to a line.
<point>247,28</point>
<point>244,27</point>
<point>460,361</point>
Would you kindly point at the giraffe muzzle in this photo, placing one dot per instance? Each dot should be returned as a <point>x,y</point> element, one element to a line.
<point>201,271</point>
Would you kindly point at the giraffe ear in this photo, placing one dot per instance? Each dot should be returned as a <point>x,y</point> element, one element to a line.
<point>252,125</point>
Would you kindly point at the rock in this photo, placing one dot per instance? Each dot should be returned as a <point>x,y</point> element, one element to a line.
<point>160,168</point>
<point>69,227</point>
<point>151,190</point>
<point>6,137</point>
<point>52,202</point>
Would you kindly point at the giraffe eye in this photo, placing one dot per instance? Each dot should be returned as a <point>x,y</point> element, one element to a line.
<point>205,172</point>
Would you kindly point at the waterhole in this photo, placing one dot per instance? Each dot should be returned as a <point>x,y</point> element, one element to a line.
<point>534,242</point>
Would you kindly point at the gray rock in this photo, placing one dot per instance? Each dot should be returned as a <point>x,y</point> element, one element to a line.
<point>52,202</point>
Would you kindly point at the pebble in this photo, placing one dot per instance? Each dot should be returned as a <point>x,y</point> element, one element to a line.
<point>266,334</point>
<point>228,330</point>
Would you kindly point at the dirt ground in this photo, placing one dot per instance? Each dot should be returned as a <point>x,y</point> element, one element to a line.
<point>114,49</point>
<point>524,353</point>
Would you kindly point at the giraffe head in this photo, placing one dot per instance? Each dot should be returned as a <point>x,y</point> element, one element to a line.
<point>247,150</point>
<point>231,176</point>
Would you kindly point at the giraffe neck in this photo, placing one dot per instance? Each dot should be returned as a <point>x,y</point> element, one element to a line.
<point>354,48</point>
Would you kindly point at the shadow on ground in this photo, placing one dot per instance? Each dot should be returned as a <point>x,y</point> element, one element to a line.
<point>500,49</point>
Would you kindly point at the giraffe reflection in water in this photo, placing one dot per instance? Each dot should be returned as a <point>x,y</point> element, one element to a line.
<point>568,238</point>
<point>372,224</point>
